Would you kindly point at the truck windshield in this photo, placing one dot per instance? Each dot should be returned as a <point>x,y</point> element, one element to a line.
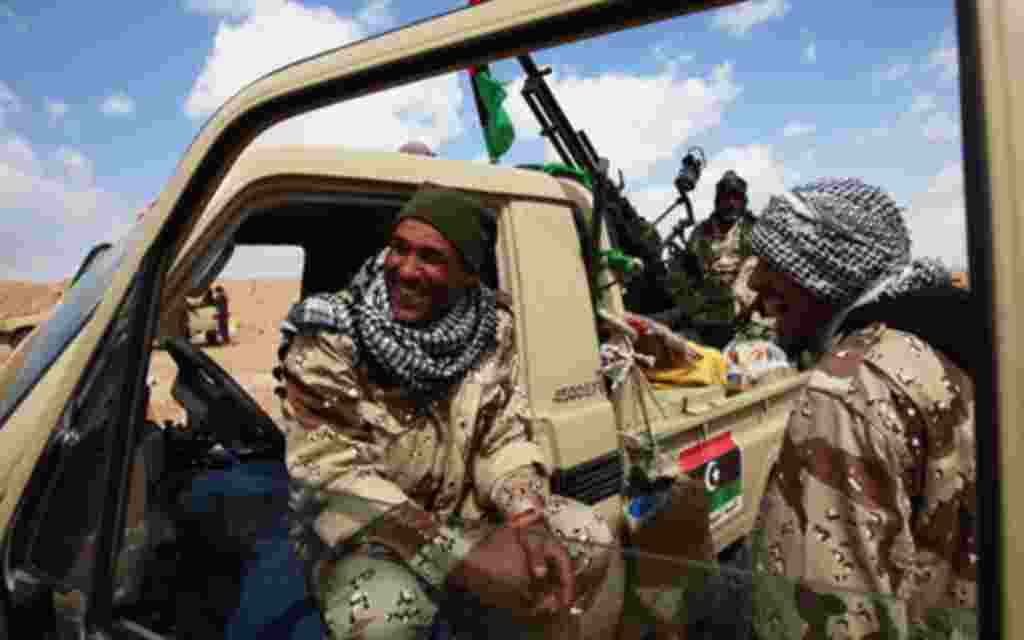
<point>71,314</point>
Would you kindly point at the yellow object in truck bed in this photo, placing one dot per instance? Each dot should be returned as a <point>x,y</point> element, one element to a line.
<point>710,370</point>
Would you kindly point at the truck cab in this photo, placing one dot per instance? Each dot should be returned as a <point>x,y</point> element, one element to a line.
<point>75,448</point>
<point>337,206</point>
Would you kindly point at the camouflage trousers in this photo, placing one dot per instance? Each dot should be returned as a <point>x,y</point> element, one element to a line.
<point>367,592</point>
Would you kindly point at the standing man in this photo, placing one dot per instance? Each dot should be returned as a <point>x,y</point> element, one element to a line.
<point>405,418</point>
<point>220,302</point>
<point>870,512</point>
<point>720,243</point>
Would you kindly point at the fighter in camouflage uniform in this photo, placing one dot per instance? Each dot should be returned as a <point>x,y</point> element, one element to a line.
<point>718,242</point>
<point>874,490</point>
<point>405,416</point>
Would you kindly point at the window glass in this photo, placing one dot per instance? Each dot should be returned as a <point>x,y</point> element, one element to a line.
<point>63,528</point>
<point>74,310</point>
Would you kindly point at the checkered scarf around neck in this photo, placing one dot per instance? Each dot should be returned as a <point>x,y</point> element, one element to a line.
<point>425,359</point>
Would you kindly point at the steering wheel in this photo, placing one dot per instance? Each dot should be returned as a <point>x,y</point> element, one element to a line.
<point>220,405</point>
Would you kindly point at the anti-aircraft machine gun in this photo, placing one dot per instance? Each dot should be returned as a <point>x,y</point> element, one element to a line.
<point>648,290</point>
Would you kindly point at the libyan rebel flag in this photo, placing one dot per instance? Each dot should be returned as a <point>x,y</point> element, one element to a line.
<point>718,462</point>
<point>490,97</point>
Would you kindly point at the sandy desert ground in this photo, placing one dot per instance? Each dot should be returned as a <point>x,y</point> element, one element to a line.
<point>258,305</point>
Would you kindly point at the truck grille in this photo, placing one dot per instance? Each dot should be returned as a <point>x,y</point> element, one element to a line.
<point>592,481</point>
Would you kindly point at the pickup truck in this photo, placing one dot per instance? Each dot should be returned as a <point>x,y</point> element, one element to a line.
<point>336,205</point>
<point>80,464</point>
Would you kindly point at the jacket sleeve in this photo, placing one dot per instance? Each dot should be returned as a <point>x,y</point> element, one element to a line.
<point>328,448</point>
<point>331,454</point>
<point>504,425</point>
<point>837,516</point>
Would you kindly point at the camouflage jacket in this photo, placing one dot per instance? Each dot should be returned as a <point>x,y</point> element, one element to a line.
<point>718,253</point>
<point>348,436</point>
<point>874,492</point>
<point>723,255</point>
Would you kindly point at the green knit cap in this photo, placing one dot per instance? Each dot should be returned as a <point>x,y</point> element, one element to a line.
<point>462,219</point>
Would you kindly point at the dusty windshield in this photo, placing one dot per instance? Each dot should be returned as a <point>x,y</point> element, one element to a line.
<point>74,310</point>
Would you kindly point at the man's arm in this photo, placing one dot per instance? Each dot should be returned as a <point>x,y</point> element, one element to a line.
<point>510,469</point>
<point>837,514</point>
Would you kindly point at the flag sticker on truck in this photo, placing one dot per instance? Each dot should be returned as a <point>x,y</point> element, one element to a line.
<point>719,464</point>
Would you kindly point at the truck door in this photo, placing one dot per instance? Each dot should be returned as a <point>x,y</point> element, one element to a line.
<point>541,265</point>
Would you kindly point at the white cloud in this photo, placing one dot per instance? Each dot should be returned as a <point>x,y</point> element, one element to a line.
<point>665,54</point>
<point>894,71</point>
<point>796,128</point>
<point>53,208</point>
<point>811,53</point>
<point>635,120</point>
<point>937,219</point>
<point>765,174</point>
<point>240,53</point>
<point>76,166</point>
<point>940,127</point>
<point>947,61</point>
<point>923,103</point>
<point>428,111</point>
<point>118,103</point>
<point>232,8</point>
<point>377,14</point>
<point>652,201</point>
<point>57,110</point>
<point>739,20</point>
<point>883,130</point>
<point>17,154</point>
<point>9,102</point>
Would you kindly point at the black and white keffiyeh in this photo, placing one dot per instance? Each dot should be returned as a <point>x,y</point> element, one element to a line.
<point>836,238</point>
<point>847,243</point>
<point>423,359</point>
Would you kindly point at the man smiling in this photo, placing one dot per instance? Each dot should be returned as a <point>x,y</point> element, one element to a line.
<point>405,420</point>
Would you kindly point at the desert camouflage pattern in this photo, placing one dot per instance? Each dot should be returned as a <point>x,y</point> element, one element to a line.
<point>466,459</point>
<point>348,435</point>
<point>720,254</point>
<point>372,590</point>
<point>874,492</point>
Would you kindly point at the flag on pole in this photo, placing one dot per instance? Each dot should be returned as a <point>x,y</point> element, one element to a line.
<point>490,95</point>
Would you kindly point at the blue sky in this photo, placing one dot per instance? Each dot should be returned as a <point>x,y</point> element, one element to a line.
<point>98,103</point>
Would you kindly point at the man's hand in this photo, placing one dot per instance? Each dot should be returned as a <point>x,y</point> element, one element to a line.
<point>551,570</point>
<point>520,568</point>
